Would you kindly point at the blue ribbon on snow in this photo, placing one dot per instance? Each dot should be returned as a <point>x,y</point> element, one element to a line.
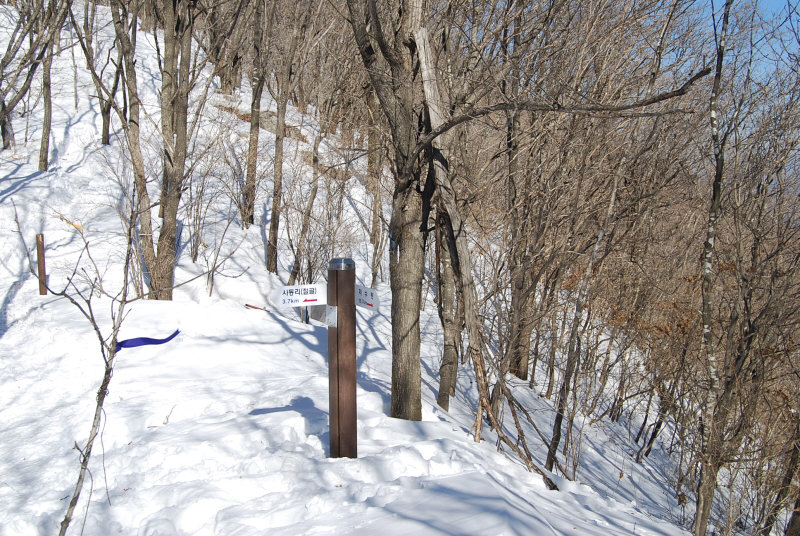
<point>143,341</point>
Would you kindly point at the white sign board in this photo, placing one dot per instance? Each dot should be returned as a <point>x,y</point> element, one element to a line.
<point>301,295</point>
<point>366,297</point>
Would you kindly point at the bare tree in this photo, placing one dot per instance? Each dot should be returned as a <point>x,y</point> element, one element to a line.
<point>38,24</point>
<point>47,97</point>
<point>390,60</point>
<point>224,30</point>
<point>180,66</point>
<point>747,270</point>
<point>262,39</point>
<point>327,81</point>
<point>297,17</point>
<point>792,469</point>
<point>98,61</point>
<point>108,349</point>
<point>449,308</point>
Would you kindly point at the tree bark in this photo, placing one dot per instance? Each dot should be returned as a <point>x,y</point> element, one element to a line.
<point>557,335</point>
<point>261,44</point>
<point>86,452</point>
<point>5,123</point>
<point>125,26</point>
<point>374,167</point>
<point>447,197</point>
<point>47,96</point>
<point>792,470</point>
<point>518,347</point>
<point>175,86</point>
<point>406,263</point>
<point>793,528</point>
<point>448,311</point>
<point>711,452</point>
<point>705,497</point>
<point>392,76</point>
<point>106,104</point>
<point>277,186</point>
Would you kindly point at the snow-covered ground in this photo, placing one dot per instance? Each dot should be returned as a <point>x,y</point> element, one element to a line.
<point>224,430</point>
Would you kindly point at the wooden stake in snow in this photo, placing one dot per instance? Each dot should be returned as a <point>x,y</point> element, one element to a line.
<point>41,272</point>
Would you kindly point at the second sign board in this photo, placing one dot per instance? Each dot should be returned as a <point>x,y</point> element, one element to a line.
<point>366,297</point>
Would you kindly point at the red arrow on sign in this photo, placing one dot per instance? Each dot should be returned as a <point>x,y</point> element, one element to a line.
<point>307,300</point>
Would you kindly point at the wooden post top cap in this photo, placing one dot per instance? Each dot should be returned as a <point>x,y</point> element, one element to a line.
<point>341,264</point>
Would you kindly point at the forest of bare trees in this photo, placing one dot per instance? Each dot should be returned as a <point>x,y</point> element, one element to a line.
<point>603,198</point>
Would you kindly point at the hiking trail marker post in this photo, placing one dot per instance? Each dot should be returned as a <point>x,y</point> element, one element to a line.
<point>338,310</point>
<point>342,359</point>
<point>41,272</point>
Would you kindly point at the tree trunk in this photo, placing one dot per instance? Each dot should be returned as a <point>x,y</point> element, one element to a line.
<point>778,504</point>
<point>125,25</point>
<point>643,427</point>
<point>793,528</point>
<point>617,406</point>
<point>105,117</point>
<point>5,124</point>
<point>521,327</point>
<point>175,86</point>
<point>705,498</point>
<point>711,455</point>
<point>712,447</point>
<point>462,262</point>
<point>285,87</point>
<point>555,342</point>
<point>249,193</point>
<point>230,77</point>
<point>86,452</point>
<point>374,167</point>
<point>393,83</point>
<point>106,104</point>
<point>448,311</point>
<point>654,434</point>
<point>261,40</point>
<point>546,305</point>
<point>534,357</point>
<point>406,265</point>
<point>573,354</point>
<point>277,187</point>
<point>47,96</point>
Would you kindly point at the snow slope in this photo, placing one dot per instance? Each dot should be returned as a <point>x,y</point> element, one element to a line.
<point>224,430</point>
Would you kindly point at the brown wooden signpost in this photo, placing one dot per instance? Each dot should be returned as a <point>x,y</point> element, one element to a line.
<point>40,261</point>
<point>340,316</point>
<point>342,359</point>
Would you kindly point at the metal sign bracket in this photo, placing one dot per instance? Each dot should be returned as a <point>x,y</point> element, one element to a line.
<point>331,314</point>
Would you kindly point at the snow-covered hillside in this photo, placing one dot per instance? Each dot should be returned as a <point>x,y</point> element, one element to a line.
<point>224,430</point>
